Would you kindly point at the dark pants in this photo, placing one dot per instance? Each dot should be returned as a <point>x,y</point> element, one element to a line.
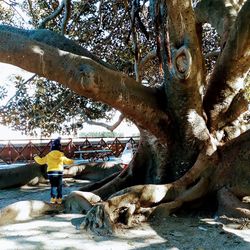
<point>55,178</point>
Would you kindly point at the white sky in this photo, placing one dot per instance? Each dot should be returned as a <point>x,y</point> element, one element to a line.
<point>6,133</point>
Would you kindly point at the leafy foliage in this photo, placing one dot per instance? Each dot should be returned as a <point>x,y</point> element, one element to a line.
<point>210,44</point>
<point>43,106</point>
<point>3,92</point>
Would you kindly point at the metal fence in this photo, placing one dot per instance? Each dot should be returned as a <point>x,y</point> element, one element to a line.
<point>12,151</point>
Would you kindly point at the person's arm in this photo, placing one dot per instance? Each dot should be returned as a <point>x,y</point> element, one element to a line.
<point>40,160</point>
<point>67,161</point>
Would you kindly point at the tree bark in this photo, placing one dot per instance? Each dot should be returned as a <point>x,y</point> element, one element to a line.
<point>230,71</point>
<point>221,14</point>
<point>189,133</point>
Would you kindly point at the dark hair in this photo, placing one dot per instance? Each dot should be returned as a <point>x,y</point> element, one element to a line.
<point>56,144</point>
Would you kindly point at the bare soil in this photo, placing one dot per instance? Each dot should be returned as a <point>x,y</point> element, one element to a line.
<point>181,231</point>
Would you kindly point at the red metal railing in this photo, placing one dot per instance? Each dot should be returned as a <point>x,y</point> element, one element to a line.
<point>12,151</point>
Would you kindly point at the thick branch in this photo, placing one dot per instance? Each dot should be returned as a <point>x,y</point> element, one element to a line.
<point>105,125</point>
<point>231,68</point>
<point>184,35</point>
<point>187,58</point>
<point>221,14</point>
<point>87,78</point>
<point>238,106</point>
<point>57,12</point>
<point>55,40</point>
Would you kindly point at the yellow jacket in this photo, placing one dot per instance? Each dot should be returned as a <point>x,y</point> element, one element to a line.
<point>54,160</point>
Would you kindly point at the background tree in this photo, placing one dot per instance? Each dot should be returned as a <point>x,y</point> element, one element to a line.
<point>185,150</point>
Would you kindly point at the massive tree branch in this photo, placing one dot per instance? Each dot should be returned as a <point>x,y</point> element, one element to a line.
<point>55,40</point>
<point>86,77</point>
<point>231,68</point>
<point>221,14</point>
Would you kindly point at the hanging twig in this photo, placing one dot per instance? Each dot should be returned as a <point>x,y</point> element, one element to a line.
<point>167,62</point>
<point>31,10</point>
<point>66,16</point>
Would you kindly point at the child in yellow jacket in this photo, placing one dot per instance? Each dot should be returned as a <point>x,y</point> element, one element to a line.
<point>55,161</point>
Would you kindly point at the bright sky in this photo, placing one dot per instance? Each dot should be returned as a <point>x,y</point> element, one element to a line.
<point>6,133</point>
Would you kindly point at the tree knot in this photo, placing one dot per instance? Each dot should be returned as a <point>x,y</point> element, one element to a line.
<point>182,63</point>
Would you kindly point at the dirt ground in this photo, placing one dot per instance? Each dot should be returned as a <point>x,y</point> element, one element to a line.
<point>173,232</point>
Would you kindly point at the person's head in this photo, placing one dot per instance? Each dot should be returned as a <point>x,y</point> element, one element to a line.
<point>56,144</point>
<point>128,145</point>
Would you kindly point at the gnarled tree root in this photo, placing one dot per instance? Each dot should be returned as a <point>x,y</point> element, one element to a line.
<point>26,210</point>
<point>80,202</point>
<point>134,205</point>
<point>209,174</point>
<point>76,202</point>
<point>231,206</point>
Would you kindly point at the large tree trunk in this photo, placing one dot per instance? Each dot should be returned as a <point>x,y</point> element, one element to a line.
<point>221,172</point>
<point>188,144</point>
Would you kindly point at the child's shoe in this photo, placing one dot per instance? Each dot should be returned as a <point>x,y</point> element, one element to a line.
<point>52,200</point>
<point>59,201</point>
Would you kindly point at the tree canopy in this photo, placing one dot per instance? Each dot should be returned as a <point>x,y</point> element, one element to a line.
<point>92,25</point>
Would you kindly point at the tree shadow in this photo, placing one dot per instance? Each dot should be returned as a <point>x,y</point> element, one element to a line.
<point>188,231</point>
